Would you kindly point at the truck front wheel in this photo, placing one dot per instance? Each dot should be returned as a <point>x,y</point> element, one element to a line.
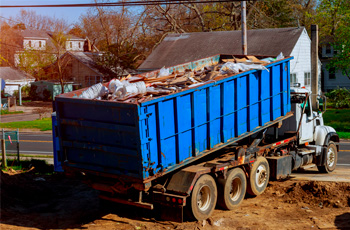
<point>203,197</point>
<point>331,158</point>
<point>258,177</point>
<point>232,189</point>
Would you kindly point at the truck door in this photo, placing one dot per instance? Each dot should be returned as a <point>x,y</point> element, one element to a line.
<point>307,125</point>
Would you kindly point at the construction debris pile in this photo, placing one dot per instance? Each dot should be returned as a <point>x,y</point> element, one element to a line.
<point>139,88</point>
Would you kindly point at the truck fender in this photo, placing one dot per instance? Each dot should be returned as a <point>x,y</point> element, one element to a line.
<point>183,181</point>
<point>332,136</point>
<point>323,134</point>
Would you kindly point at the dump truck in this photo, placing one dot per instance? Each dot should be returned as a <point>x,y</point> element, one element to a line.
<point>185,152</point>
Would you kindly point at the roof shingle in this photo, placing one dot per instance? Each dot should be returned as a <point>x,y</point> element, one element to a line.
<point>9,73</point>
<point>181,48</point>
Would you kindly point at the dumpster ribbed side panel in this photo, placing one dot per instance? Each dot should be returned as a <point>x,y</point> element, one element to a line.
<point>100,136</point>
<point>185,125</point>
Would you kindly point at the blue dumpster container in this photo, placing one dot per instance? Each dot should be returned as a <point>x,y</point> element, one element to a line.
<point>143,141</point>
<point>56,158</point>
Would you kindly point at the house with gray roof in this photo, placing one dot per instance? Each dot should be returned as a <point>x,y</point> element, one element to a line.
<point>181,48</point>
<point>82,68</point>
<point>14,79</point>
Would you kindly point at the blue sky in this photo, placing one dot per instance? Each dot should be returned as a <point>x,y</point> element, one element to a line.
<point>71,15</point>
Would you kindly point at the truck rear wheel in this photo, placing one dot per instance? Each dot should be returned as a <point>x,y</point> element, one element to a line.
<point>203,197</point>
<point>331,158</point>
<point>258,177</point>
<point>232,189</point>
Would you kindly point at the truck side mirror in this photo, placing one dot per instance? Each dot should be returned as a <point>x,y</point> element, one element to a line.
<point>321,101</point>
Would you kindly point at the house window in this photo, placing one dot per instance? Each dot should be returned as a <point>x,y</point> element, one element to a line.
<point>30,44</point>
<point>293,78</point>
<point>328,49</point>
<point>307,79</point>
<point>331,74</point>
<point>71,45</point>
<point>91,80</point>
<point>39,43</point>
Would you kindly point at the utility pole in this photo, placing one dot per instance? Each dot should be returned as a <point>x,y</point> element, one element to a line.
<point>244,27</point>
<point>0,97</point>
<point>314,65</point>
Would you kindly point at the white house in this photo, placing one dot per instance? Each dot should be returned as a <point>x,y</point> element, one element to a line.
<point>75,44</point>
<point>39,40</point>
<point>181,48</point>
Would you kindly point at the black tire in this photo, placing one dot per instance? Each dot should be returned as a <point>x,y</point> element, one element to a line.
<point>203,198</point>
<point>258,177</point>
<point>232,189</point>
<point>331,158</point>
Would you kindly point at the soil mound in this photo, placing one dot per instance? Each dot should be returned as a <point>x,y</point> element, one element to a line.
<point>322,194</point>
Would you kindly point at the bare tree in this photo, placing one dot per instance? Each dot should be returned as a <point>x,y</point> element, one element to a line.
<point>31,20</point>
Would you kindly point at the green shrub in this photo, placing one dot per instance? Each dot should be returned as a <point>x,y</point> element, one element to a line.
<point>32,93</point>
<point>339,98</point>
<point>47,95</point>
<point>26,90</point>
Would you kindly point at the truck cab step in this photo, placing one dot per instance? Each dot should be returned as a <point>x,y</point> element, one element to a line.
<point>305,151</point>
<point>304,167</point>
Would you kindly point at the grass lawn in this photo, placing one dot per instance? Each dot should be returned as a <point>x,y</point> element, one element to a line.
<point>43,125</point>
<point>40,166</point>
<point>4,112</point>
<point>339,119</point>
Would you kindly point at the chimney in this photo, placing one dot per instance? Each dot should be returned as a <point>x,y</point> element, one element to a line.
<point>87,45</point>
<point>314,65</point>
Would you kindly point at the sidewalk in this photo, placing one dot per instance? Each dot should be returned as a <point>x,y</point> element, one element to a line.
<point>30,110</point>
<point>18,117</point>
<point>340,174</point>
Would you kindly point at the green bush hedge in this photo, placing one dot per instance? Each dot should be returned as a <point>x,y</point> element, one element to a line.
<point>339,98</point>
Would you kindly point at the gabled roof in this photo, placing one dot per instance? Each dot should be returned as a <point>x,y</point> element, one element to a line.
<point>12,74</point>
<point>40,34</point>
<point>88,59</point>
<point>35,34</point>
<point>46,35</point>
<point>181,48</point>
<point>74,38</point>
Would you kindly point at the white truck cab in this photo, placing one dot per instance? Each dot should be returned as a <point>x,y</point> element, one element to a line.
<point>314,136</point>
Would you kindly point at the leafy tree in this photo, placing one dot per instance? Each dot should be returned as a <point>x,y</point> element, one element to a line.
<point>33,61</point>
<point>340,97</point>
<point>335,18</point>
<point>59,40</point>
<point>341,59</point>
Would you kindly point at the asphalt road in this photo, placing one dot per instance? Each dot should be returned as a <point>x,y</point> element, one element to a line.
<point>344,154</point>
<point>35,144</point>
<point>41,144</point>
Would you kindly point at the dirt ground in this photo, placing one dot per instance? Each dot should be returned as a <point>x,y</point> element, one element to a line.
<point>35,201</point>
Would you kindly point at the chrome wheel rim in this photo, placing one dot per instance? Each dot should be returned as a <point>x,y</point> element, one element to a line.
<point>203,198</point>
<point>330,157</point>
<point>261,176</point>
<point>236,188</point>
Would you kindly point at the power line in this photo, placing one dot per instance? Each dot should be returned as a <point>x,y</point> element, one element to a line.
<point>131,3</point>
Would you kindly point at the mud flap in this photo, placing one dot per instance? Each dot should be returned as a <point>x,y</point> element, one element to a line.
<point>321,159</point>
<point>172,213</point>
